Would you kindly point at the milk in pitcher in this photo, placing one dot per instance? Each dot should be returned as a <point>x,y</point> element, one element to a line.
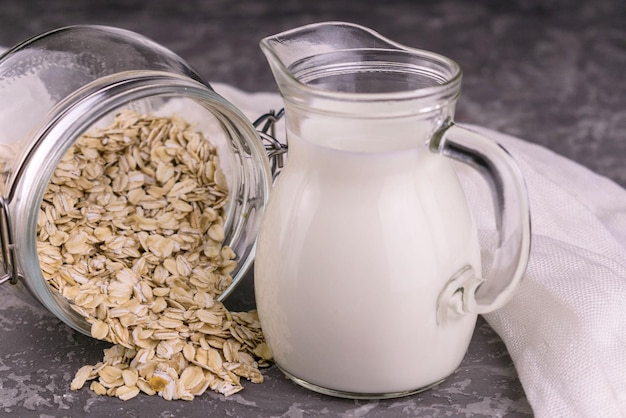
<point>365,231</point>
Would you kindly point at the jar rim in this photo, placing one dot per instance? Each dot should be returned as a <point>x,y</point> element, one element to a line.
<point>72,117</point>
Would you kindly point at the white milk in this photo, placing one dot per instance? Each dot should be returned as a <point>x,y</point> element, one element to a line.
<point>354,249</point>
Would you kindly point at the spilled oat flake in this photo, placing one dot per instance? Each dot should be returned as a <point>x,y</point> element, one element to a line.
<point>131,233</point>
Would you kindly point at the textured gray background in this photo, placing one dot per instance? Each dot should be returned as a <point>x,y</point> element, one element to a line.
<point>552,72</point>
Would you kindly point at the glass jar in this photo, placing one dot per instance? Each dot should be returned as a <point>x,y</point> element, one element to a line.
<point>57,85</point>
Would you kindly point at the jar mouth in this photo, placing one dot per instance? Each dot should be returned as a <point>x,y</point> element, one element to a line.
<point>249,174</point>
<point>319,63</point>
<point>373,82</point>
<point>368,74</point>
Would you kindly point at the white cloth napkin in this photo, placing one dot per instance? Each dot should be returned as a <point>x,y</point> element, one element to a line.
<point>565,328</point>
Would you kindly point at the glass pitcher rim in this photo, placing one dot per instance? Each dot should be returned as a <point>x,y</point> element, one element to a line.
<point>449,87</point>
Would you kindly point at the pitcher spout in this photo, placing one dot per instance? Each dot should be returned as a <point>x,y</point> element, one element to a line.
<point>290,47</point>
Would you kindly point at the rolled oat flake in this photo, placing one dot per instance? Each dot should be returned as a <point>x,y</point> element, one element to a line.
<point>130,199</point>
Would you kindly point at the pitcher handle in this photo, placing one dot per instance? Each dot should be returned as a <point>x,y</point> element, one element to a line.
<point>511,209</point>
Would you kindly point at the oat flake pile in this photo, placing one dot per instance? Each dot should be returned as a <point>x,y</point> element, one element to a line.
<point>131,233</point>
